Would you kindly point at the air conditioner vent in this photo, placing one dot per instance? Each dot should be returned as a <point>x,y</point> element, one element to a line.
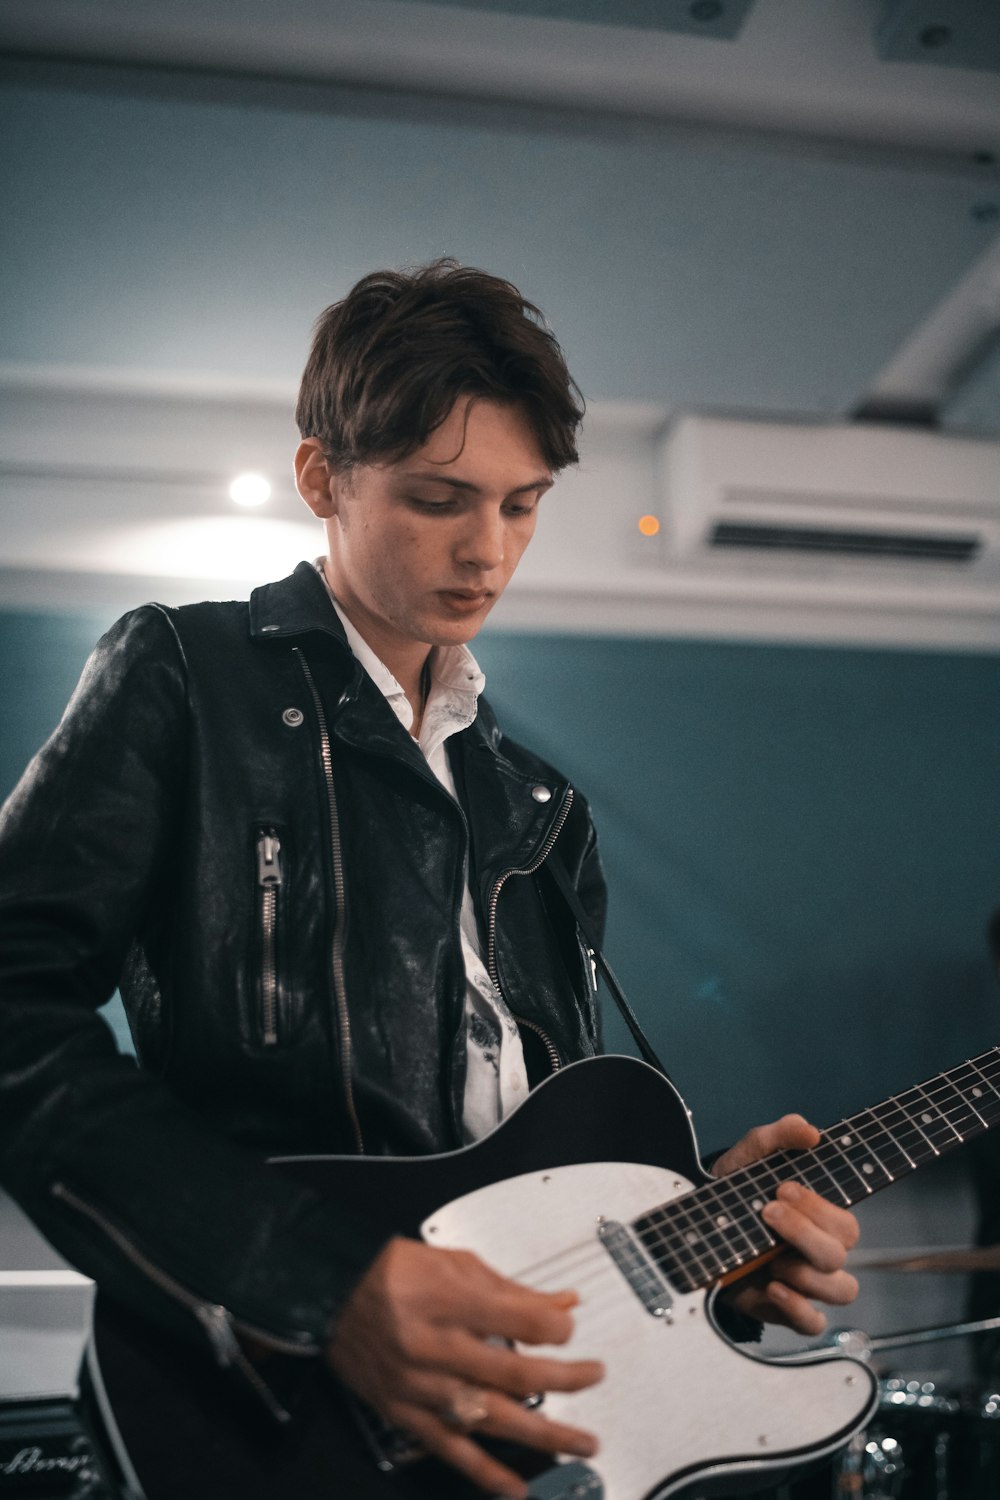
<point>875,510</point>
<point>926,547</point>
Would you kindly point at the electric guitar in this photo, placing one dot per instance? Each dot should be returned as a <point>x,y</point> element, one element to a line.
<point>593,1183</point>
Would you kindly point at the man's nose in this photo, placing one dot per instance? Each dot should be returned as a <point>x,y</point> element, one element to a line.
<point>481,543</point>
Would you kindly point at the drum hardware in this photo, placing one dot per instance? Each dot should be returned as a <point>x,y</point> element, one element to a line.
<point>955,1258</point>
<point>927,1442</point>
<point>862,1345</point>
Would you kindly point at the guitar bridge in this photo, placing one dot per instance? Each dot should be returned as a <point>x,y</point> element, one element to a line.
<point>638,1270</point>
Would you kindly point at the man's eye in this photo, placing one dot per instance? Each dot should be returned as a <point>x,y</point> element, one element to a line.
<point>420,503</point>
<point>520,510</point>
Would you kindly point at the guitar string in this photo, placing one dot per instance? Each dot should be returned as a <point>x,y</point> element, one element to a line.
<point>577,1265</point>
<point>587,1260</point>
<point>772,1167</point>
<point>948,1106</point>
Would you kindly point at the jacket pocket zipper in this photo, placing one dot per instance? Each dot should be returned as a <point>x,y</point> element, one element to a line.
<point>491,943</point>
<point>218,1323</point>
<point>269,884</point>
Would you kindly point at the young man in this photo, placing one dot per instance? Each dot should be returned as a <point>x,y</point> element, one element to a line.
<point>294,834</point>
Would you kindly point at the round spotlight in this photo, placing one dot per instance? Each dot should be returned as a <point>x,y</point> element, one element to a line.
<point>649,525</point>
<point>250,489</point>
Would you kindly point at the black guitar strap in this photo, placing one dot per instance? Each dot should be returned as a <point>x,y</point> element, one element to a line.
<point>554,865</point>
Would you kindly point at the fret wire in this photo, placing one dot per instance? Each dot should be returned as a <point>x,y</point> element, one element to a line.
<point>971,1065</point>
<point>829,1147</point>
<point>727,1187</point>
<point>977,1086</point>
<point>703,1223</point>
<point>970,1108</point>
<point>714,1239</point>
<point>862,1152</point>
<point>750,1176</point>
<point>741,1186</point>
<point>699,1218</point>
<point>875,1127</point>
<point>914,1124</point>
<point>672,1258</point>
<point>989,1085</point>
<point>839,1148</point>
<point>946,1084</point>
<point>681,1256</point>
<point>915,1128</point>
<point>991,1058</point>
<point>804,1165</point>
<point>688,1242</point>
<point>880,1116</point>
<point>920,1089</point>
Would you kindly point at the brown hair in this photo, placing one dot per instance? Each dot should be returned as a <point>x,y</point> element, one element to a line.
<point>388,363</point>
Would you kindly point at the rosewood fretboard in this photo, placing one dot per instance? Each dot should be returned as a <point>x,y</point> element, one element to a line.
<point>714,1230</point>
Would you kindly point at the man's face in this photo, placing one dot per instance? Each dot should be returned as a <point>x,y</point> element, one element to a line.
<point>420,550</point>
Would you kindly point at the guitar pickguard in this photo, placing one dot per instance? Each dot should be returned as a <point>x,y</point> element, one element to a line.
<point>677,1399</point>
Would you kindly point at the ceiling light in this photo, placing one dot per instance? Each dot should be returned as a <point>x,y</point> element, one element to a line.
<point>250,489</point>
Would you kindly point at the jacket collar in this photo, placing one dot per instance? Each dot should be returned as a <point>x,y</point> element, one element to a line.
<point>295,605</point>
<point>300,604</point>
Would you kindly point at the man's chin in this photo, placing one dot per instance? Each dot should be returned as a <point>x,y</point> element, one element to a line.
<point>455,626</point>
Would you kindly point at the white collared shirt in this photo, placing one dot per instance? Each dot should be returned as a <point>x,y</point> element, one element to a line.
<point>496,1079</point>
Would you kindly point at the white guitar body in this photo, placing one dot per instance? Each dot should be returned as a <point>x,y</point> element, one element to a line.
<point>678,1399</point>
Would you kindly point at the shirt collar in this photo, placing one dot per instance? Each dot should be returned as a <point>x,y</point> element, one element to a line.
<point>454,672</point>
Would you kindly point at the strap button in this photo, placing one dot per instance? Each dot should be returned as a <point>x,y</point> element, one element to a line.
<point>293,717</point>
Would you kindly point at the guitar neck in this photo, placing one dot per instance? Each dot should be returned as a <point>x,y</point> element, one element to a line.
<point>715,1230</point>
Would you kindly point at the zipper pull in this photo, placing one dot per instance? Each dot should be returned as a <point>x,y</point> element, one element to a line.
<point>268,863</point>
<point>228,1352</point>
<point>215,1321</point>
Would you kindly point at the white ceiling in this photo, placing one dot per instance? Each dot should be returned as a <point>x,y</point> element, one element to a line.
<point>798,66</point>
<point>781,225</point>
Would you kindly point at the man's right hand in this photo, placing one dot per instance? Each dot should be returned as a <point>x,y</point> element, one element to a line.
<point>413,1341</point>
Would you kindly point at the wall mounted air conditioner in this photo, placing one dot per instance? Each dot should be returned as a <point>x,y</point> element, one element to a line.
<point>852,501</point>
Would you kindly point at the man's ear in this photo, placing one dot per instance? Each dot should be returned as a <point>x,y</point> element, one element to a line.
<point>314,479</point>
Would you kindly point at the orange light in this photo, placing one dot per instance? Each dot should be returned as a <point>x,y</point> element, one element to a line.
<point>649,525</point>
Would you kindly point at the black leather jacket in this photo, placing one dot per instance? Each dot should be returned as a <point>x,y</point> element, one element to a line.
<point>231,823</point>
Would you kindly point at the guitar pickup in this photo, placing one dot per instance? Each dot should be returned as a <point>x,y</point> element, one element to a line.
<point>638,1270</point>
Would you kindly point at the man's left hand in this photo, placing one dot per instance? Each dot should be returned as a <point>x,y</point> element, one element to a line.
<point>817,1236</point>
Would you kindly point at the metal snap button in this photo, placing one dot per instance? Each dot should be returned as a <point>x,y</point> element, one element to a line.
<point>541,794</point>
<point>293,717</point>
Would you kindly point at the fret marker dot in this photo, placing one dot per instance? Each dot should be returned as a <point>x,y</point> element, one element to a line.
<point>691,1237</point>
<point>926,1119</point>
<point>977,1093</point>
<point>758,1204</point>
<point>722,1221</point>
<point>866,1166</point>
<point>845,1140</point>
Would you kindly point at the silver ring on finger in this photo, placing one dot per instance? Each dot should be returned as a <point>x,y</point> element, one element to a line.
<point>466,1410</point>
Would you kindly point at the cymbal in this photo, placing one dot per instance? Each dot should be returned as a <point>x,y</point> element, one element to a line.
<point>976,1258</point>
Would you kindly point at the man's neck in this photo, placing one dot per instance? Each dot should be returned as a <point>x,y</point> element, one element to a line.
<point>408,661</point>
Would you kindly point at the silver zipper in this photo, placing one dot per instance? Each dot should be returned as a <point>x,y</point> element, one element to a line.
<point>218,1323</point>
<point>491,940</point>
<point>269,880</point>
<point>337,947</point>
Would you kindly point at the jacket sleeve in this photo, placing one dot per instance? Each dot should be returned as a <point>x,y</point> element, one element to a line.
<point>131,1185</point>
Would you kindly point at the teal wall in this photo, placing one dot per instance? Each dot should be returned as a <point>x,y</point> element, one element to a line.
<point>803,845</point>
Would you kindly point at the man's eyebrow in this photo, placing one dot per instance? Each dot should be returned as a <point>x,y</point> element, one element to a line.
<point>543,483</point>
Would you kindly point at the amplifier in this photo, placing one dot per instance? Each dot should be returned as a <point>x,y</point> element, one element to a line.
<point>48,1449</point>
